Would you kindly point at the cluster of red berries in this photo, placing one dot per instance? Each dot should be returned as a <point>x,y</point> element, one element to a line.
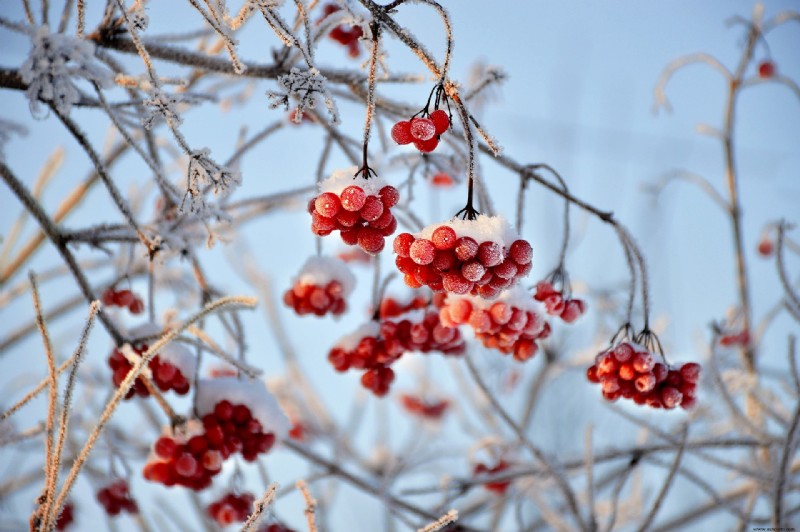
<point>321,287</point>
<point>317,300</point>
<point>511,325</point>
<point>115,498</point>
<point>343,34</point>
<point>499,487</point>
<point>460,264</point>
<point>192,462</point>
<point>424,408</point>
<point>166,376</point>
<point>556,304</point>
<point>361,218</point>
<point>423,131</point>
<point>123,298</point>
<point>630,371</point>
<point>741,338</point>
<point>376,345</point>
<point>391,307</point>
<point>231,508</point>
<point>66,517</point>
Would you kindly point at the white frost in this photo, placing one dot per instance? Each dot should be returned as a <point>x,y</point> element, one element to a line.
<point>341,179</point>
<point>483,229</point>
<point>252,393</point>
<point>322,270</point>
<point>351,341</point>
<point>181,357</point>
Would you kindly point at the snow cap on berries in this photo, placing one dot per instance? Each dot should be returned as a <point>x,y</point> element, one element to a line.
<point>341,179</point>
<point>179,356</point>
<point>351,341</point>
<point>252,393</point>
<point>320,271</point>
<point>482,229</point>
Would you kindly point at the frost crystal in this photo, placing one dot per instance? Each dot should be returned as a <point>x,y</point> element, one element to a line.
<point>164,105</point>
<point>55,62</point>
<point>305,87</point>
<point>205,173</point>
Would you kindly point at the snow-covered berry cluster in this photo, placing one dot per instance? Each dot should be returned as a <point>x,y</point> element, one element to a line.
<point>512,323</point>
<point>345,34</point>
<point>124,299</point>
<point>237,416</point>
<point>498,487</point>
<point>424,131</point>
<point>480,257</point>
<point>359,208</point>
<point>231,508</point>
<point>115,498</point>
<point>556,303</point>
<point>321,287</point>
<point>376,345</point>
<point>424,408</point>
<point>631,371</point>
<point>170,369</point>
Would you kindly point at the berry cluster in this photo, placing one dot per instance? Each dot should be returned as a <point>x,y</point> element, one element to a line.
<point>359,208</point>
<point>424,408</point>
<point>166,375</point>
<point>741,338</point>
<point>391,307</point>
<point>630,371</point>
<point>496,487</point>
<point>372,347</point>
<point>122,298</point>
<point>115,498</point>
<point>512,324</point>
<point>376,345</point>
<point>321,287</point>
<point>556,304</point>
<point>424,131</point>
<point>66,517</point>
<point>248,424</point>
<point>343,34</point>
<point>480,257</point>
<point>231,508</point>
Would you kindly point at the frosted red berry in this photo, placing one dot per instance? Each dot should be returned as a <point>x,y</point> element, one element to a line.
<point>441,121</point>
<point>766,69</point>
<point>422,129</point>
<point>401,132</point>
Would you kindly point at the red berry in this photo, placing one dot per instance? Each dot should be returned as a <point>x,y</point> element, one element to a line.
<point>124,298</point>
<point>422,251</point>
<point>186,465</point>
<point>490,254</point>
<point>690,372</point>
<point>327,204</point>
<point>353,198</point>
<point>371,240</point>
<point>422,129</point>
<point>520,252</point>
<point>765,246</point>
<point>455,283</point>
<point>444,237</point>
<point>473,271</point>
<point>402,244</point>
<point>401,132</point>
<point>109,297</point>
<point>440,121</point>
<point>427,146</point>
<point>389,196</point>
<point>766,69</point>
<point>466,248</point>
<point>137,307</point>
<point>442,180</point>
<point>372,209</point>
<point>223,410</point>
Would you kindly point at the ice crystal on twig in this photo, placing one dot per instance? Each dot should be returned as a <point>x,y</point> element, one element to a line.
<point>55,62</point>
<point>205,173</point>
<point>162,104</point>
<point>305,87</point>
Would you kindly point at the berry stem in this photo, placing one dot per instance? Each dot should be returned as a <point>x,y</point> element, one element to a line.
<point>375,28</point>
